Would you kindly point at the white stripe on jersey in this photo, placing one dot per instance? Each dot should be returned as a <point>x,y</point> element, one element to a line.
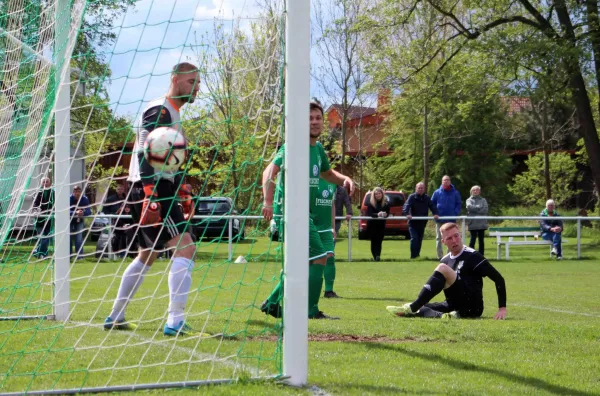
<point>141,134</point>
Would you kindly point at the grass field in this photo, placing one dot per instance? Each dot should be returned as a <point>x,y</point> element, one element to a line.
<point>549,344</point>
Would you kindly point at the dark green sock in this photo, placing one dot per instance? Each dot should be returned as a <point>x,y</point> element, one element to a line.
<point>329,274</point>
<point>276,294</point>
<point>315,284</point>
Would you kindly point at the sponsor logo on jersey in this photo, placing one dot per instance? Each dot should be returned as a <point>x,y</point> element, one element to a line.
<point>325,193</point>
<point>460,265</point>
<point>323,202</point>
<point>314,182</point>
<point>316,170</point>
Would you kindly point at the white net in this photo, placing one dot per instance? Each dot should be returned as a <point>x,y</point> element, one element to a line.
<point>123,54</point>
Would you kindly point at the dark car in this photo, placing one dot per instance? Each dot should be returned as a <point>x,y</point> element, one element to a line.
<point>396,201</point>
<point>98,225</point>
<point>216,226</point>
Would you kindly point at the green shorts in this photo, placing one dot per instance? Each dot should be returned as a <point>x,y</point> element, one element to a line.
<point>327,240</point>
<point>316,248</point>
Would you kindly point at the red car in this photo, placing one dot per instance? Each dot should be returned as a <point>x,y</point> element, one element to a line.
<point>396,201</point>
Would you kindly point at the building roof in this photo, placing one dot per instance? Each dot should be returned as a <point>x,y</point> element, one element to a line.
<point>354,112</point>
<point>516,104</point>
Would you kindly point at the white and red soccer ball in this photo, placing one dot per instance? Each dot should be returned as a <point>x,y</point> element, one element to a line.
<point>165,149</point>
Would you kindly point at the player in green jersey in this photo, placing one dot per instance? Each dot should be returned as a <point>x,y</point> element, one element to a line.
<point>323,209</point>
<point>319,168</point>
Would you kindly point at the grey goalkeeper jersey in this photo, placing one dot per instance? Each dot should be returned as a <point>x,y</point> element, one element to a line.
<point>159,112</point>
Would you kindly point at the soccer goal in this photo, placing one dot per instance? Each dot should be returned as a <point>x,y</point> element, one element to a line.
<point>74,76</point>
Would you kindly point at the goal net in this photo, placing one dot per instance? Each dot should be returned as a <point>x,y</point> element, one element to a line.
<point>115,58</point>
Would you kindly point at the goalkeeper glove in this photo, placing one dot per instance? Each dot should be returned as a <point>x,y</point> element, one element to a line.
<point>150,209</point>
<point>185,196</point>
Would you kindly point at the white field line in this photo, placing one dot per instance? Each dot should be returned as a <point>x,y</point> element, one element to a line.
<point>318,391</point>
<point>189,351</point>
<point>556,310</point>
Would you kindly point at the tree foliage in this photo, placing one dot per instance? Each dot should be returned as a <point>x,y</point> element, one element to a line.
<point>563,176</point>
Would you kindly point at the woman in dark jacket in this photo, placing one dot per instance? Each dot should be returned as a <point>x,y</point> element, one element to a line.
<point>378,207</point>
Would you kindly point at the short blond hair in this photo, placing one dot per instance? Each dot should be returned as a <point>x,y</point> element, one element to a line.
<point>448,226</point>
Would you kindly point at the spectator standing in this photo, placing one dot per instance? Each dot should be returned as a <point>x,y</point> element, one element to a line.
<point>80,208</point>
<point>552,228</point>
<point>342,199</point>
<point>418,204</point>
<point>378,207</point>
<point>113,204</point>
<point>43,204</point>
<point>477,206</point>
<point>124,232</point>
<point>448,203</point>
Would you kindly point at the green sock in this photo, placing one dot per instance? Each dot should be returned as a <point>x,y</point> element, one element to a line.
<point>276,294</point>
<point>329,274</point>
<point>315,284</point>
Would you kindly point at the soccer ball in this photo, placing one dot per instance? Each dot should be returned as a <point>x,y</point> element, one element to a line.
<point>165,149</point>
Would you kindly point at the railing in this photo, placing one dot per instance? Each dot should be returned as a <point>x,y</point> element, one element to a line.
<point>456,219</point>
<point>464,219</point>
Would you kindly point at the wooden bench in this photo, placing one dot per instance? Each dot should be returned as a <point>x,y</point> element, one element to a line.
<point>533,233</point>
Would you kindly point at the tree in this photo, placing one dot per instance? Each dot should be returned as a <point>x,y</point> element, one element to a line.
<point>338,68</point>
<point>240,123</point>
<point>571,28</point>
<point>465,117</point>
<point>563,176</point>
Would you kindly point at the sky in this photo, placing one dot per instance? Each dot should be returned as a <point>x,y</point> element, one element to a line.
<point>154,35</point>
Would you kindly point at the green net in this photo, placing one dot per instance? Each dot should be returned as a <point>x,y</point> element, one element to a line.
<point>120,56</point>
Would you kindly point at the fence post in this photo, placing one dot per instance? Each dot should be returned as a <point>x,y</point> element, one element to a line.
<point>230,242</point>
<point>464,230</point>
<point>578,238</point>
<point>350,239</point>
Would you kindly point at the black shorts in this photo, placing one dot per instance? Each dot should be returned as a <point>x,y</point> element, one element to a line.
<point>461,298</point>
<point>173,223</point>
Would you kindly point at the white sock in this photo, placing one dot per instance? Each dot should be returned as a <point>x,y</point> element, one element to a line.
<point>180,281</point>
<point>130,283</point>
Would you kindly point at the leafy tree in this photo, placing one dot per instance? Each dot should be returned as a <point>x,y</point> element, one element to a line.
<point>563,176</point>
<point>240,125</point>
<point>571,30</point>
<point>339,69</point>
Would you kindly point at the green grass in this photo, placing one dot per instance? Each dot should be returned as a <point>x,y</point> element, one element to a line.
<point>548,345</point>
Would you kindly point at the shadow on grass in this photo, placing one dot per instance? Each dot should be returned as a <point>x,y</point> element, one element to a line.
<point>455,364</point>
<point>386,390</point>
<point>391,299</point>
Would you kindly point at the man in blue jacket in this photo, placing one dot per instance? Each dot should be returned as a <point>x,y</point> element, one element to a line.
<point>418,204</point>
<point>80,207</point>
<point>448,203</point>
<point>552,228</point>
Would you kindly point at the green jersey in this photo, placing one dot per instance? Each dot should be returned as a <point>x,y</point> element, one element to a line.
<point>318,163</point>
<point>322,205</point>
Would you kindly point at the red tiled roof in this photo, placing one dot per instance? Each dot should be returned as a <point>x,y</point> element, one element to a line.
<point>516,104</point>
<point>354,112</point>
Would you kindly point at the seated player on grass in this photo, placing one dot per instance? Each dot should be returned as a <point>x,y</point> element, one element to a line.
<point>460,275</point>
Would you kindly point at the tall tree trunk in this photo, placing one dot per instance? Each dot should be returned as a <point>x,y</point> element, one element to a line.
<point>426,148</point>
<point>344,127</point>
<point>546,151</point>
<point>594,28</point>
<point>587,128</point>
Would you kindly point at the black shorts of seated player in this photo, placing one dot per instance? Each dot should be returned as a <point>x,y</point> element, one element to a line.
<point>459,298</point>
<point>173,222</point>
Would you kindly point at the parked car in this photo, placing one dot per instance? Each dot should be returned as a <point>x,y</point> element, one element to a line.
<point>216,226</point>
<point>98,225</point>
<point>396,201</point>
